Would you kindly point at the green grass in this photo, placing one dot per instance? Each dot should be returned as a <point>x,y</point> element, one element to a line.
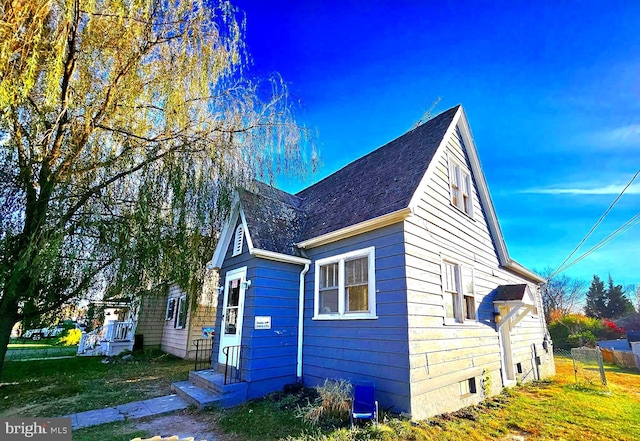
<point>63,386</point>
<point>120,431</point>
<point>546,410</point>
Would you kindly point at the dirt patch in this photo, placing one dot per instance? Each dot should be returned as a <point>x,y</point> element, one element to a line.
<point>199,425</point>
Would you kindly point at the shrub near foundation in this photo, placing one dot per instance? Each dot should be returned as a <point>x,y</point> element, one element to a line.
<point>331,408</point>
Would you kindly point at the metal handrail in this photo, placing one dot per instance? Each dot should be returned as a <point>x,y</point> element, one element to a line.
<point>233,357</point>
<point>204,353</point>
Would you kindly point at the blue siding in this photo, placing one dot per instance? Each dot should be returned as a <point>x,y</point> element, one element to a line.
<point>356,350</point>
<point>270,356</point>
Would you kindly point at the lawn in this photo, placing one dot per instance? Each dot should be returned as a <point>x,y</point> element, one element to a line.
<point>62,386</point>
<point>547,410</point>
<point>22,349</point>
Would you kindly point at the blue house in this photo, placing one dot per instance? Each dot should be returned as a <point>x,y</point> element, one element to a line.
<point>392,269</point>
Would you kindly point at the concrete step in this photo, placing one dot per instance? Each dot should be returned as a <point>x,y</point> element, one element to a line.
<point>208,379</point>
<point>213,382</point>
<point>199,397</point>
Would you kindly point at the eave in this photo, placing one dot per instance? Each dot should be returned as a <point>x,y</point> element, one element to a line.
<point>354,230</point>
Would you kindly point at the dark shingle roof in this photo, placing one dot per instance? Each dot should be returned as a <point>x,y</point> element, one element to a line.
<point>379,183</point>
<point>376,184</point>
<point>273,218</point>
<point>506,293</point>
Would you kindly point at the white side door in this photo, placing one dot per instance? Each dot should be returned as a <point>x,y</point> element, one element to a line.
<point>232,313</point>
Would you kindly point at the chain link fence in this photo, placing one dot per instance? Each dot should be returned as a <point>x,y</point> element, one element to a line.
<point>588,365</point>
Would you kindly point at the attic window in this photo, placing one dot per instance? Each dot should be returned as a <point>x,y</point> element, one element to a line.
<point>237,240</point>
<point>460,183</point>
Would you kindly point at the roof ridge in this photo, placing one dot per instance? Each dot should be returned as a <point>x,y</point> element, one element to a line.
<point>273,188</point>
<point>421,126</point>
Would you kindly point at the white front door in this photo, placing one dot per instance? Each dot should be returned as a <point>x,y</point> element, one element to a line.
<point>232,313</point>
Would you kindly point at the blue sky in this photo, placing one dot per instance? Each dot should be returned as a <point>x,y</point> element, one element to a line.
<point>552,94</point>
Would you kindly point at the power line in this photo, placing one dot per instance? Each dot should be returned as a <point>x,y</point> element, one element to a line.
<point>618,232</point>
<point>595,226</point>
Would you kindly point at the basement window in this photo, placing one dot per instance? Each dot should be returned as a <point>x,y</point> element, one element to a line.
<point>468,387</point>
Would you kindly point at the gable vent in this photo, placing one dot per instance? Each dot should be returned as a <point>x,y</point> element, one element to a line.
<point>237,241</point>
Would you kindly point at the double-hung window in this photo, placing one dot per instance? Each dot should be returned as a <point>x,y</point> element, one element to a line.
<point>459,293</point>
<point>345,286</point>
<point>181,316</point>
<point>461,188</point>
<point>171,308</point>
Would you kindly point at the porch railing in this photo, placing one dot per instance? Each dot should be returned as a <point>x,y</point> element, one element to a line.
<point>204,353</point>
<point>119,331</point>
<point>232,364</point>
<point>90,340</point>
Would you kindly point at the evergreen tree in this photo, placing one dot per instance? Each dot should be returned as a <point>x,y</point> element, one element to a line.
<point>596,305</point>
<point>618,304</point>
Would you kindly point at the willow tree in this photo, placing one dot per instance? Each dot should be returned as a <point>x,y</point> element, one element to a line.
<point>124,126</point>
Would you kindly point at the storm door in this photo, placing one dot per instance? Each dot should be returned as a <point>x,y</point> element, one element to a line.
<point>232,314</point>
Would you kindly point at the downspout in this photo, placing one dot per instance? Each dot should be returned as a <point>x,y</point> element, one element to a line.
<point>301,321</point>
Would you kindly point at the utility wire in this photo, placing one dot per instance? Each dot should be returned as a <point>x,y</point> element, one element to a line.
<point>557,271</point>
<point>619,231</point>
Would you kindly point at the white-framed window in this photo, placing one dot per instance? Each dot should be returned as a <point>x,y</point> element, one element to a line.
<point>181,313</point>
<point>345,286</point>
<point>171,309</point>
<point>460,188</point>
<point>238,240</point>
<point>458,291</point>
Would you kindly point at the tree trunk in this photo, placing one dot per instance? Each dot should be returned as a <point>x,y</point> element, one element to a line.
<point>8,318</point>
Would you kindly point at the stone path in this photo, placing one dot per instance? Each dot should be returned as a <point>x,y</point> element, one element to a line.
<point>137,409</point>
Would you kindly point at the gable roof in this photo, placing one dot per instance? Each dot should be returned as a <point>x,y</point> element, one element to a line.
<point>369,187</point>
<point>273,218</point>
<point>378,189</point>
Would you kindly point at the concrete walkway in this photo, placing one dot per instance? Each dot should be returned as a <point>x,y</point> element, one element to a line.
<point>137,409</point>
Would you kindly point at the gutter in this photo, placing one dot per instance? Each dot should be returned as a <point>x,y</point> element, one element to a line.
<point>301,322</point>
<point>352,230</point>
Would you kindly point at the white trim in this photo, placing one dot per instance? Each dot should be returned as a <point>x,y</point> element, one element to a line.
<point>424,182</point>
<point>247,235</point>
<point>301,320</point>
<point>241,274</point>
<point>483,189</point>
<point>371,286</point>
<point>521,270</point>
<point>354,230</point>
<point>270,255</point>
<point>225,237</point>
